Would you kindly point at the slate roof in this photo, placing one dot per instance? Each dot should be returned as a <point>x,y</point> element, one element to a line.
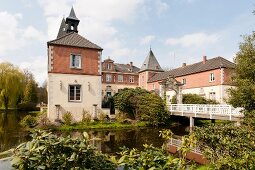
<point>75,40</point>
<point>72,15</point>
<point>210,64</point>
<point>62,29</point>
<point>123,68</point>
<point>151,63</point>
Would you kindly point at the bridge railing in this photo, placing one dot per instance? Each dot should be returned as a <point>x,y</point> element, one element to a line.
<point>205,109</point>
<point>178,143</point>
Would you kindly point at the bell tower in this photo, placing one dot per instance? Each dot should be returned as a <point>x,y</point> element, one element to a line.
<point>72,22</point>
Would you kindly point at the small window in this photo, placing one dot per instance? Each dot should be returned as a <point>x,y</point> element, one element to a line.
<point>108,94</point>
<point>183,81</point>
<point>108,77</point>
<point>75,61</point>
<point>120,78</point>
<point>153,86</point>
<point>74,92</point>
<point>131,79</point>
<point>109,66</point>
<point>212,95</point>
<point>142,78</point>
<point>212,78</point>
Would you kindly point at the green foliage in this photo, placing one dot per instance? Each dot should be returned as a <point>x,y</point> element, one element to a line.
<point>28,121</point>
<point>86,116</point>
<point>12,83</point>
<point>101,115</point>
<point>48,151</point>
<point>244,78</point>
<point>67,118</point>
<point>228,146</point>
<point>27,106</point>
<point>141,105</point>
<point>30,94</point>
<point>193,99</point>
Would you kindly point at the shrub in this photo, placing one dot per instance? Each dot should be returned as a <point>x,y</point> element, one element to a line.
<point>120,116</point>
<point>28,121</point>
<point>194,99</point>
<point>28,106</point>
<point>67,118</point>
<point>86,116</point>
<point>141,104</point>
<point>48,151</point>
<point>42,119</point>
<point>101,115</point>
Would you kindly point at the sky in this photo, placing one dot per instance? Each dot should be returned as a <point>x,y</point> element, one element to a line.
<point>178,31</point>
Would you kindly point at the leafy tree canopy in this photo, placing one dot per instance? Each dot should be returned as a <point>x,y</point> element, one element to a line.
<point>193,99</point>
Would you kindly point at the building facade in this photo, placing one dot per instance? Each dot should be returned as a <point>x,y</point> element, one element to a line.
<point>208,78</point>
<point>74,72</point>
<point>117,76</point>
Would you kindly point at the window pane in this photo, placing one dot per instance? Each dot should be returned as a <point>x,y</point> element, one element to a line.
<point>78,92</point>
<point>71,93</point>
<point>73,60</point>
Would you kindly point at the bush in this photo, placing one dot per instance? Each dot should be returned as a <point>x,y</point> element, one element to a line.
<point>86,116</point>
<point>42,119</point>
<point>28,106</point>
<point>120,116</point>
<point>101,115</point>
<point>141,104</point>
<point>67,118</point>
<point>28,121</point>
<point>194,99</point>
<point>48,151</point>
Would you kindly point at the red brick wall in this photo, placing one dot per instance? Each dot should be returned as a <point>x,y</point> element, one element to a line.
<point>125,78</point>
<point>228,73</point>
<point>61,60</point>
<point>142,79</point>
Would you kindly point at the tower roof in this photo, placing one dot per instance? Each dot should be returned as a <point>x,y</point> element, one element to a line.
<point>62,29</point>
<point>151,63</point>
<point>72,15</point>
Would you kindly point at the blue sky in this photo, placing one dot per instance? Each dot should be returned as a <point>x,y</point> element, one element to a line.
<point>178,31</point>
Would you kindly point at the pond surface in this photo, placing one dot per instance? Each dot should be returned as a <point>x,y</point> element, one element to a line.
<point>108,141</point>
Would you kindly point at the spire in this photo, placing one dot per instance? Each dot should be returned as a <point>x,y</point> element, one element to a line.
<point>151,63</point>
<point>62,29</point>
<point>72,22</point>
<point>72,15</point>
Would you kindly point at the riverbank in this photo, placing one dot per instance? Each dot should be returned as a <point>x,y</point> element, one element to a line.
<point>100,125</point>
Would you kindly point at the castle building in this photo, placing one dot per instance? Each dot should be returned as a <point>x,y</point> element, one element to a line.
<point>74,72</point>
<point>210,78</point>
<point>117,76</point>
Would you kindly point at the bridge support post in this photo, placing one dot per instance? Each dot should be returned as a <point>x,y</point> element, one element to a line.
<point>191,122</point>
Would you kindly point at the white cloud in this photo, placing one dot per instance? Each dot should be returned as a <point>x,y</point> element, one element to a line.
<point>147,40</point>
<point>14,37</point>
<point>195,39</point>
<point>161,6</point>
<point>38,67</point>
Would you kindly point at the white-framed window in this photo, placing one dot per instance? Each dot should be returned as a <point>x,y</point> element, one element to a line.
<point>120,78</point>
<point>212,95</point>
<point>75,61</point>
<point>153,86</point>
<point>108,78</point>
<point>131,79</point>
<point>183,81</point>
<point>109,66</point>
<point>212,77</point>
<point>74,93</point>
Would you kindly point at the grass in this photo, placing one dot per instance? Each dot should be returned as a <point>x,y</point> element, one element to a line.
<point>100,125</point>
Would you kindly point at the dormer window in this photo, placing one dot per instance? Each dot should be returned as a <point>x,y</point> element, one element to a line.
<point>109,66</point>
<point>75,61</point>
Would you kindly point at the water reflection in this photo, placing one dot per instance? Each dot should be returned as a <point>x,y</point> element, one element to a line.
<point>11,133</point>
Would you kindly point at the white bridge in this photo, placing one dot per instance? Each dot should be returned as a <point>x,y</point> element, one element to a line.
<point>221,112</point>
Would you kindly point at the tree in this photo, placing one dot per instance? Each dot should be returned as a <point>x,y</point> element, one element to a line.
<point>244,77</point>
<point>141,104</point>
<point>11,85</point>
<point>30,93</point>
<point>193,99</point>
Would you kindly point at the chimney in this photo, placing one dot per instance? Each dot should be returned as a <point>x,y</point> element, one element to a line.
<point>204,59</point>
<point>131,66</point>
<point>183,64</point>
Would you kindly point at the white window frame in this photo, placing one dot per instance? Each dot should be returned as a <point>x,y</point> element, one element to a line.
<point>120,78</point>
<point>109,66</point>
<point>212,77</point>
<point>108,78</point>
<point>75,61</point>
<point>75,92</point>
<point>184,81</point>
<point>212,95</point>
<point>131,79</point>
